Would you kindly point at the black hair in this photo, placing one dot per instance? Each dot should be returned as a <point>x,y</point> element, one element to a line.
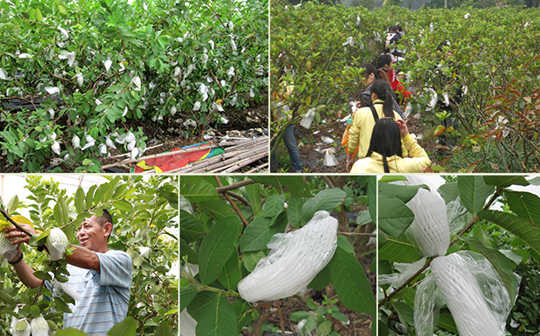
<point>383,60</point>
<point>105,217</point>
<point>382,89</point>
<point>371,69</point>
<point>385,140</point>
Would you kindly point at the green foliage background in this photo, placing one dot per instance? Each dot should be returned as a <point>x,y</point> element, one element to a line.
<point>144,210</point>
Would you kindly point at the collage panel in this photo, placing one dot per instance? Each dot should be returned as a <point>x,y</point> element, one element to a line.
<point>277,255</point>
<point>88,254</point>
<point>133,86</point>
<point>462,100</point>
<point>458,255</point>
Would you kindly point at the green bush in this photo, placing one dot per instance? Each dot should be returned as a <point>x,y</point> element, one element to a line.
<point>102,69</point>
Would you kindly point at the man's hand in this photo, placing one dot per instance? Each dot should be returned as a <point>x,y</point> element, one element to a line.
<point>16,236</point>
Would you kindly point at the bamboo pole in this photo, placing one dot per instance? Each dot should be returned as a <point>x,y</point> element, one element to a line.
<point>203,163</point>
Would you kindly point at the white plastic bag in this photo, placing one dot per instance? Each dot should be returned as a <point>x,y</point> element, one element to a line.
<point>406,271</point>
<point>472,290</point>
<point>294,260</point>
<point>308,118</point>
<point>7,250</point>
<point>430,226</point>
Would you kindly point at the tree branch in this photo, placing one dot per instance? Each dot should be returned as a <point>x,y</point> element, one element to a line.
<point>235,208</point>
<point>222,189</point>
<point>357,234</point>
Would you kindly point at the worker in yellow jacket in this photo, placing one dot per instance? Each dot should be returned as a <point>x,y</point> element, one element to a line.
<point>385,154</point>
<point>365,118</point>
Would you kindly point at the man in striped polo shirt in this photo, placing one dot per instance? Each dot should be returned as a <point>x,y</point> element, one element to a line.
<point>99,277</point>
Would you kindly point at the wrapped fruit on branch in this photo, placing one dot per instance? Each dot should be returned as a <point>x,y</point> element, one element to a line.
<point>294,260</point>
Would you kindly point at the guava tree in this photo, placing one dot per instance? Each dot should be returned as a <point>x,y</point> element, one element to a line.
<point>490,221</point>
<point>226,229</point>
<point>79,79</point>
<point>144,211</point>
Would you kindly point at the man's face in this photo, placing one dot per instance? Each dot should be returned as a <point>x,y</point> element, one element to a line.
<point>92,235</point>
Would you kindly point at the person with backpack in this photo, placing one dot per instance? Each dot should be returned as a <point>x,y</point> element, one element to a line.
<point>385,153</point>
<point>384,62</point>
<point>366,117</point>
<point>372,73</point>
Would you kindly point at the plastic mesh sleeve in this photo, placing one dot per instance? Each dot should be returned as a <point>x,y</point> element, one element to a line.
<point>405,272</point>
<point>425,303</point>
<point>294,260</point>
<point>430,226</point>
<point>464,297</point>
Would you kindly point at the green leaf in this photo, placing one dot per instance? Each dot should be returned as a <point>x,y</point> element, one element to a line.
<point>345,244</point>
<point>79,200</point>
<point>187,294</point>
<point>299,316</point>
<point>90,196</point>
<point>217,247</point>
<point>372,198</point>
<point>293,184</point>
<point>61,305</point>
<point>6,297</point>
<point>128,327</point>
<point>363,218</point>
<point>294,211</point>
<point>13,204</point>
<point>517,225</point>
<point>325,328</point>
<point>253,192</point>
<point>250,259</point>
<point>394,216</point>
<point>163,329</point>
<point>258,233</point>
<point>446,321</point>
<point>325,200</point>
<point>232,274</point>
<point>405,312</point>
<point>273,206</point>
<point>321,280</point>
<point>351,283</point>
<point>123,205</point>
<point>191,228</point>
<point>504,181</point>
<point>397,250</point>
<point>449,191</point>
<point>502,265</point>
<point>525,205</point>
<point>70,332</point>
<point>392,178</point>
<point>197,189</point>
<point>215,316</point>
<point>473,192</point>
<point>403,192</point>
<point>42,275</point>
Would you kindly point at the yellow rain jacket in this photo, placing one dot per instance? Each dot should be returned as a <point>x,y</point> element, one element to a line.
<point>417,161</point>
<point>362,127</point>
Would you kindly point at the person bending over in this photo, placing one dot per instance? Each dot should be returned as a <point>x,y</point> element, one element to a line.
<point>385,154</point>
<point>101,276</point>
